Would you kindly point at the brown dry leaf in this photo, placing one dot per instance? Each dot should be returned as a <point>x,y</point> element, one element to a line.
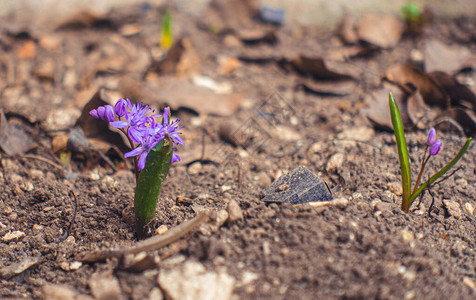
<point>378,111</point>
<point>347,30</point>
<point>448,59</point>
<point>418,112</point>
<point>459,94</point>
<point>225,15</point>
<point>181,60</point>
<point>227,65</point>
<point>256,36</point>
<point>315,67</point>
<point>84,19</point>
<point>381,30</point>
<point>27,50</point>
<point>181,93</point>
<point>464,118</point>
<point>13,139</point>
<point>405,75</point>
<point>336,88</point>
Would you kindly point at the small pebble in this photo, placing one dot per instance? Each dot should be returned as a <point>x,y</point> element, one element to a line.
<point>469,208</point>
<point>335,162</point>
<point>395,187</point>
<point>453,208</point>
<point>194,168</point>
<point>262,179</point>
<point>162,229</point>
<point>469,282</point>
<point>234,211</point>
<point>15,235</point>
<point>407,235</point>
<point>36,174</point>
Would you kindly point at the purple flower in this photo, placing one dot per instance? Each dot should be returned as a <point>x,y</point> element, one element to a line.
<point>105,112</point>
<point>121,107</point>
<point>136,120</point>
<point>431,136</point>
<point>435,147</point>
<point>172,128</point>
<point>147,143</point>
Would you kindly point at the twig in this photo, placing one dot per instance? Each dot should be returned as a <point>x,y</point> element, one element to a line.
<point>150,244</point>
<point>68,231</point>
<point>32,156</point>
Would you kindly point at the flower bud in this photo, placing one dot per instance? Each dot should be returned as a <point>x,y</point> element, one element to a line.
<point>435,147</point>
<point>108,113</point>
<point>101,112</point>
<point>94,113</point>
<point>431,136</point>
<point>121,107</point>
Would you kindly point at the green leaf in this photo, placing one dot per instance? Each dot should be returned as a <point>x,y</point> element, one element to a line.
<point>440,172</point>
<point>402,152</point>
<point>150,182</point>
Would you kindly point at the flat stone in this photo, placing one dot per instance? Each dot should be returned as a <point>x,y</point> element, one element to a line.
<point>193,281</point>
<point>453,208</point>
<point>297,187</point>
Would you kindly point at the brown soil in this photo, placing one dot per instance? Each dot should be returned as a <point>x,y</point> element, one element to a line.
<point>368,249</point>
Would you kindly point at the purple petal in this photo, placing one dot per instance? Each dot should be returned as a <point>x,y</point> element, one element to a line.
<point>119,124</point>
<point>431,136</point>
<point>178,140</point>
<point>134,152</point>
<point>94,113</point>
<point>175,157</point>
<point>101,112</point>
<point>435,147</point>
<point>109,113</point>
<point>141,162</point>
<point>135,135</point>
<point>166,116</point>
<point>121,107</point>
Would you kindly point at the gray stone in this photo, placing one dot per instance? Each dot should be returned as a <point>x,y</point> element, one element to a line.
<point>297,187</point>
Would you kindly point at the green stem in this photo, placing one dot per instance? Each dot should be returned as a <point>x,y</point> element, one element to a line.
<point>440,172</point>
<point>150,183</point>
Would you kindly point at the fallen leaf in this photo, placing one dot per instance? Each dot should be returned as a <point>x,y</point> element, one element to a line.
<point>336,88</point>
<point>347,30</point>
<point>459,93</point>
<point>378,110</point>
<point>85,19</point>
<point>448,59</point>
<point>13,139</point>
<point>464,118</point>
<point>381,30</point>
<point>256,36</point>
<point>405,75</point>
<point>181,60</point>
<point>418,112</point>
<point>314,67</point>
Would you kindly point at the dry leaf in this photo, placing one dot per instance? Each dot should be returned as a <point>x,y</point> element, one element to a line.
<point>404,75</point>
<point>13,139</point>
<point>336,88</point>
<point>464,118</point>
<point>381,30</point>
<point>347,30</point>
<point>181,60</point>
<point>448,59</point>
<point>314,67</point>
<point>459,94</point>
<point>256,36</point>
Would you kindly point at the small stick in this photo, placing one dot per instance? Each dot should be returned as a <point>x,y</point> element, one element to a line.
<point>32,156</point>
<point>66,234</point>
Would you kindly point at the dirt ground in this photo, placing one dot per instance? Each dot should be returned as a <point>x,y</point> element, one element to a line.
<point>363,248</point>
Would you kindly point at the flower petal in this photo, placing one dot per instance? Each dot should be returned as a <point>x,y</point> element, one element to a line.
<point>119,124</point>
<point>435,147</point>
<point>109,113</point>
<point>141,162</point>
<point>135,135</point>
<point>134,152</point>
<point>94,113</point>
<point>175,157</point>
<point>101,111</point>
<point>431,136</point>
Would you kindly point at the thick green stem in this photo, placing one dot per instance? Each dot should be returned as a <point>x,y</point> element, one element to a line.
<point>150,182</point>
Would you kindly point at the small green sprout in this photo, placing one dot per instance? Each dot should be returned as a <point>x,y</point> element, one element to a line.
<point>412,16</point>
<point>434,145</point>
<point>166,36</point>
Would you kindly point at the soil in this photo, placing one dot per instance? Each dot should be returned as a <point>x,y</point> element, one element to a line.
<point>365,249</point>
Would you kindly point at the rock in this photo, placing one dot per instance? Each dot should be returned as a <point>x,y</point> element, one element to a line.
<point>15,235</point>
<point>156,294</point>
<point>469,283</point>
<point>383,206</point>
<point>453,208</point>
<point>234,211</point>
<point>194,168</point>
<point>469,208</point>
<point>262,179</point>
<point>192,281</point>
<point>407,235</point>
<point>18,268</point>
<point>297,187</point>
<point>62,118</point>
<point>36,174</point>
<point>162,229</point>
<point>57,292</point>
<point>335,162</point>
<point>353,134</point>
<point>216,221</point>
<point>104,286</point>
